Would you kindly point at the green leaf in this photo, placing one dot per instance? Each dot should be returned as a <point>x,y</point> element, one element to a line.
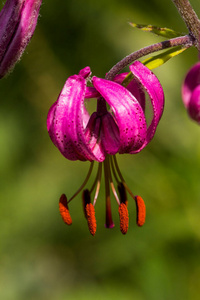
<point>161,31</point>
<point>158,60</point>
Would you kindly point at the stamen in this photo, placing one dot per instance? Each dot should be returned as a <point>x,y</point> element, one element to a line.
<point>122,179</point>
<point>90,215</point>
<point>84,183</point>
<point>109,221</point>
<point>124,218</point>
<point>111,181</point>
<point>98,182</point>
<point>141,210</point>
<point>113,170</point>
<point>64,210</point>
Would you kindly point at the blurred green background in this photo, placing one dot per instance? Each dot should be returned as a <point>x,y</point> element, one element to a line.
<point>40,257</point>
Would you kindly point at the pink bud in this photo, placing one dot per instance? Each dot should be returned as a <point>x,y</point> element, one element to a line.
<point>191,92</point>
<point>18,20</point>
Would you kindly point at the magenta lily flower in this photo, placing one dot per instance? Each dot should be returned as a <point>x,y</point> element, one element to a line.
<point>18,20</point>
<point>191,92</point>
<point>121,128</point>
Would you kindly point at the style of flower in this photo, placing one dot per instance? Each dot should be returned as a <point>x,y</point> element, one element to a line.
<point>191,92</point>
<point>18,19</point>
<point>123,128</point>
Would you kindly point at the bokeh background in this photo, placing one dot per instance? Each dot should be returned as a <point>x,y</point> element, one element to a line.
<point>40,257</point>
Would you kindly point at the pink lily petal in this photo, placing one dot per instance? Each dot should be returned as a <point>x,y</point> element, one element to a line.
<point>127,111</point>
<point>66,129</point>
<point>10,11</point>
<point>67,120</point>
<point>154,89</point>
<point>102,134</point>
<point>109,135</point>
<point>134,87</point>
<point>50,118</point>
<point>194,105</point>
<point>92,135</point>
<point>86,72</point>
<point>91,92</point>
<point>191,81</point>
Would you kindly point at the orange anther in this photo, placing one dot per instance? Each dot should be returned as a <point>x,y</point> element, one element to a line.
<point>124,218</point>
<point>64,210</point>
<point>141,210</point>
<point>90,215</point>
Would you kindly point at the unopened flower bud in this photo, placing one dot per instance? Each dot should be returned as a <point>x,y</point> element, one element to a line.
<point>18,20</point>
<point>191,92</point>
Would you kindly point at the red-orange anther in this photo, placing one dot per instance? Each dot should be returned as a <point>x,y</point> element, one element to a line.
<point>124,218</point>
<point>64,210</point>
<point>90,215</point>
<point>141,210</point>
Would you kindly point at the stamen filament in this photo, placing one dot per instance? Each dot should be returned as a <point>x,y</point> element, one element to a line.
<point>84,183</point>
<point>117,168</point>
<point>98,183</point>
<point>109,221</point>
<point>122,179</point>
<point>113,170</point>
<point>111,182</point>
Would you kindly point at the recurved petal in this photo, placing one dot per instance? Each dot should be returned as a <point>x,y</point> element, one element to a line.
<point>66,120</point>
<point>85,72</point>
<point>127,112</point>
<point>154,89</point>
<point>134,87</point>
<point>192,80</point>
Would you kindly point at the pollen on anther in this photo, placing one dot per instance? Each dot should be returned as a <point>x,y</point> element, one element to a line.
<point>141,210</point>
<point>124,218</point>
<point>90,215</point>
<point>64,210</point>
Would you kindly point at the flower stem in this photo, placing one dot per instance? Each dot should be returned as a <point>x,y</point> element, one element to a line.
<point>186,41</point>
<point>190,18</point>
